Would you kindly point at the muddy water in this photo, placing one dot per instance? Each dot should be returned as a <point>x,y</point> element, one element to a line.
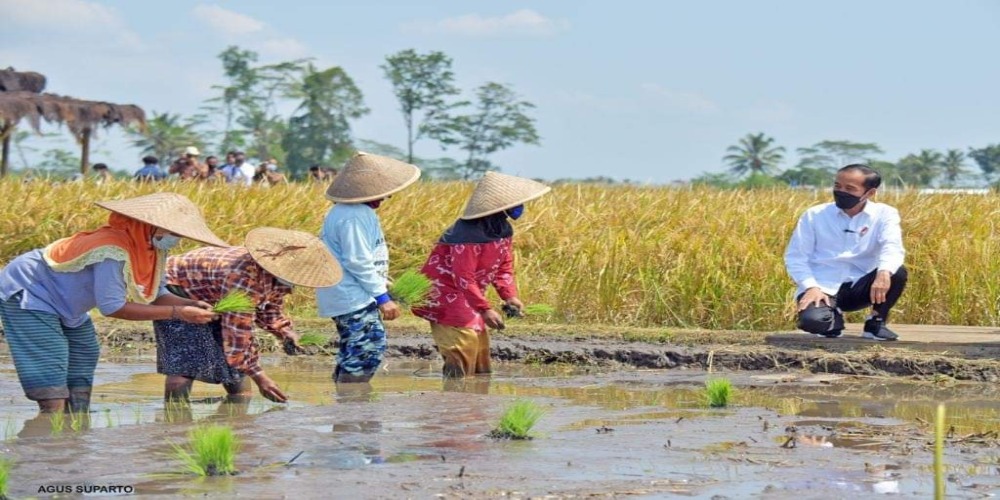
<point>641,433</point>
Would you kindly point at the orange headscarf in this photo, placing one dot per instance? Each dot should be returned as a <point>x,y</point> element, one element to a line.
<point>124,239</point>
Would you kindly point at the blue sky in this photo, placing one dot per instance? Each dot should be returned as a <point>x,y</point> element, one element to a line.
<point>650,91</point>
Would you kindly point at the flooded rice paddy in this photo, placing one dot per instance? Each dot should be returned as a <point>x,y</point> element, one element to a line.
<point>643,433</point>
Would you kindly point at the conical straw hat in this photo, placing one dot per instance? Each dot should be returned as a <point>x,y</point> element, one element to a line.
<point>294,256</point>
<point>170,211</point>
<point>368,177</point>
<point>497,192</point>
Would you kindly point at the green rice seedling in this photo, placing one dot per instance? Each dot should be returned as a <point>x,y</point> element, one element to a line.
<point>9,428</point>
<point>538,310</point>
<point>939,480</point>
<point>5,466</point>
<point>77,420</point>
<point>107,418</point>
<point>57,422</point>
<point>718,392</point>
<point>517,420</point>
<point>236,301</point>
<point>210,451</point>
<point>410,288</point>
<point>313,339</point>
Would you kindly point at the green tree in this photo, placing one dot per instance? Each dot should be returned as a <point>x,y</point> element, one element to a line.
<point>953,166</point>
<point>498,121</point>
<point>988,159</point>
<point>320,131</point>
<point>831,155</point>
<point>248,102</point>
<point>166,135</point>
<point>421,83</point>
<point>920,169</point>
<point>891,175</point>
<point>807,176</point>
<point>755,153</point>
<point>59,160</point>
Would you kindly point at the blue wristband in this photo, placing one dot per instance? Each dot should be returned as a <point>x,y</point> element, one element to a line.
<point>382,299</point>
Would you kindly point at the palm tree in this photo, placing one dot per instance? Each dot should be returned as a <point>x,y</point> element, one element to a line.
<point>165,136</point>
<point>755,154</point>
<point>953,166</point>
<point>921,169</point>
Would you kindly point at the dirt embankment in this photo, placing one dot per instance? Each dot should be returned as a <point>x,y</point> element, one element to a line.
<point>872,359</point>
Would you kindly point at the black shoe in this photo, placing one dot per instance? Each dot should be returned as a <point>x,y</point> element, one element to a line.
<point>832,334</point>
<point>875,329</point>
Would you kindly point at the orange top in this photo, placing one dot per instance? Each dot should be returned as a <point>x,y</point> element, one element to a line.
<point>123,238</point>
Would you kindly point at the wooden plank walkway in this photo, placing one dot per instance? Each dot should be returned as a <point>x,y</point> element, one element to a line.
<point>966,341</point>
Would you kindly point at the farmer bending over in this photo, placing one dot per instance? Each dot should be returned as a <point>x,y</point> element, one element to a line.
<point>265,269</point>
<point>474,253</point>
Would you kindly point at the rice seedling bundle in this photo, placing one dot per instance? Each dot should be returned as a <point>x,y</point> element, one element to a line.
<point>518,420</point>
<point>236,301</point>
<point>410,288</point>
<point>210,451</point>
<point>718,392</point>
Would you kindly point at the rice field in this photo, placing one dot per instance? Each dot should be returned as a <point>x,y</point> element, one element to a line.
<point>636,256</point>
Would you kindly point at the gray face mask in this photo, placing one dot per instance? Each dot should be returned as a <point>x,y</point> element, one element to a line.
<point>166,242</point>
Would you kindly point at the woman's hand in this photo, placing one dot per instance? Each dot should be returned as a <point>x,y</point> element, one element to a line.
<point>269,389</point>
<point>196,315</point>
<point>492,319</point>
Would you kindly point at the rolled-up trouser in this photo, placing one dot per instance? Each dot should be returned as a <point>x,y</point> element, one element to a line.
<point>362,344</point>
<point>52,361</point>
<point>851,297</point>
<point>465,351</point>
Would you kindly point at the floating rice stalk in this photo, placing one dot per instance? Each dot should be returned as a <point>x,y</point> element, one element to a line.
<point>718,392</point>
<point>410,289</point>
<point>939,481</point>
<point>210,451</point>
<point>236,301</point>
<point>517,420</point>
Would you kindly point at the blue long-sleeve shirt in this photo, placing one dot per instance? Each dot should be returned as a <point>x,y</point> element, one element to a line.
<point>354,235</point>
<point>69,295</point>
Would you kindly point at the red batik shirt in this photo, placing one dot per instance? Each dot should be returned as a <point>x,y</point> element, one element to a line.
<point>210,273</point>
<point>461,273</point>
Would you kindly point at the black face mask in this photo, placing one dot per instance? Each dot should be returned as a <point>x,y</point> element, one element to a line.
<point>845,200</point>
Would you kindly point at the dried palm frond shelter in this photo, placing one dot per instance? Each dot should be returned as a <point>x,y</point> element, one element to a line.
<point>21,98</point>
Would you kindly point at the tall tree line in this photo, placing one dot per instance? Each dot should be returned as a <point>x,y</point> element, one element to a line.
<point>246,114</point>
<point>755,160</point>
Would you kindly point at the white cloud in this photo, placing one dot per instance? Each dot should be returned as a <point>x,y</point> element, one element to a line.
<point>58,13</point>
<point>585,100</point>
<point>524,22</point>
<point>227,21</point>
<point>80,23</point>
<point>282,48</point>
<point>680,100</point>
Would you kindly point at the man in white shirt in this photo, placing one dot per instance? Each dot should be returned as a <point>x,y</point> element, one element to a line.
<point>846,256</point>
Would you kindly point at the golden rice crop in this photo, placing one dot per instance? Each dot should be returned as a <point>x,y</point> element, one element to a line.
<point>638,256</point>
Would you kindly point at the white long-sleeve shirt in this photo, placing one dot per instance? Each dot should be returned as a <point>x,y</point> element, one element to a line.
<point>830,248</point>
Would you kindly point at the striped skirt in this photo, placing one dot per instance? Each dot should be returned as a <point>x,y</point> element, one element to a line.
<point>51,359</point>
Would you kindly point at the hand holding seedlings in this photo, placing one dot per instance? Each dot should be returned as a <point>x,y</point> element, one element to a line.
<point>390,310</point>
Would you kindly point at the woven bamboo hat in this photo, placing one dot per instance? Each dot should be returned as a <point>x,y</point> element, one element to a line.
<point>170,211</point>
<point>497,192</point>
<point>294,256</point>
<point>368,177</point>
